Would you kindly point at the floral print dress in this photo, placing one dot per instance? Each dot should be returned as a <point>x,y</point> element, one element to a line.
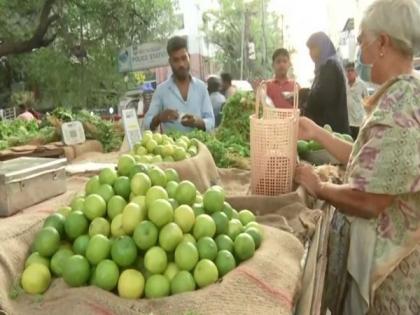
<point>385,160</point>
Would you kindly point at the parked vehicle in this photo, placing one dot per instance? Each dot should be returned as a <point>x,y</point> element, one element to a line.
<point>242,85</point>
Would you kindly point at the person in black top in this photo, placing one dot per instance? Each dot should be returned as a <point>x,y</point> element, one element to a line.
<point>327,100</point>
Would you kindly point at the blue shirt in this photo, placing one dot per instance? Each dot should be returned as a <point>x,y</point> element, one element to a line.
<point>217,100</point>
<point>168,96</point>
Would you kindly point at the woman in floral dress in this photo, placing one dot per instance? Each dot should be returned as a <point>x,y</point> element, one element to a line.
<point>374,246</point>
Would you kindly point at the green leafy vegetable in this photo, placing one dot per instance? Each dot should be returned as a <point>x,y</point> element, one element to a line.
<point>19,132</point>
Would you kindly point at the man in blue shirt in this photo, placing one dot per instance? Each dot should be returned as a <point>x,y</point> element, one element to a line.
<point>181,102</point>
<point>217,99</point>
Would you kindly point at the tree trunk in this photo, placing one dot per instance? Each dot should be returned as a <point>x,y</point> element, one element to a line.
<point>264,36</point>
<point>5,82</point>
<point>38,39</point>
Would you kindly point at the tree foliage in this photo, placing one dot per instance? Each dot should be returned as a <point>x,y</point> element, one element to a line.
<point>75,62</point>
<point>37,39</point>
<point>224,26</point>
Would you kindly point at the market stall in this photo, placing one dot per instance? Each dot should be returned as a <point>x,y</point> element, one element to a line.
<point>276,291</point>
<point>285,275</point>
<point>45,138</point>
<point>52,150</point>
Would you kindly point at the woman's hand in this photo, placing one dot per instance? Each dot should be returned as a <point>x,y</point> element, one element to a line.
<point>305,176</point>
<point>307,129</point>
<point>340,149</point>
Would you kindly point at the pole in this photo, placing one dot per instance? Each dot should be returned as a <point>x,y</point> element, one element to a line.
<point>242,44</point>
<point>82,66</point>
<point>264,37</point>
<point>282,30</point>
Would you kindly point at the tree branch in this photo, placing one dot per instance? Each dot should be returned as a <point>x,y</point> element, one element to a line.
<point>47,41</point>
<point>140,16</point>
<point>38,39</point>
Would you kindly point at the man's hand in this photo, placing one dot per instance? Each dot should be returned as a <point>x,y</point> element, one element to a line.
<point>193,122</point>
<point>168,115</point>
<point>188,120</point>
<point>162,117</point>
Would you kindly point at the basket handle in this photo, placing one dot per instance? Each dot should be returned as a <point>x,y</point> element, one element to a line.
<point>257,101</point>
<point>262,92</point>
<point>259,96</point>
<point>295,96</point>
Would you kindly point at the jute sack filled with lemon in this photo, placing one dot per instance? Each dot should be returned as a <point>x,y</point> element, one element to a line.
<point>124,250</point>
<point>189,157</point>
<point>262,284</point>
<point>201,168</point>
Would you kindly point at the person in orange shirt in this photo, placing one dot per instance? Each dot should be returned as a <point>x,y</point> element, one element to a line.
<point>280,89</point>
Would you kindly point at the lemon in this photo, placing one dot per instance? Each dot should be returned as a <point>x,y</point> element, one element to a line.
<point>131,284</point>
<point>36,279</point>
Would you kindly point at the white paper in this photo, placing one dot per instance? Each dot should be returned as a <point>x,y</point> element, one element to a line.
<point>181,115</point>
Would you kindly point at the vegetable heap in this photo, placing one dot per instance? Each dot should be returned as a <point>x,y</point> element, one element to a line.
<point>235,127</point>
<point>19,132</point>
<point>106,132</point>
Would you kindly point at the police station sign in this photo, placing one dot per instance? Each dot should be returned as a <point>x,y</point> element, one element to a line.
<point>142,57</point>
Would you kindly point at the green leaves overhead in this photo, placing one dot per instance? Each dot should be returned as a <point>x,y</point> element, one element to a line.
<point>223,28</point>
<point>79,68</point>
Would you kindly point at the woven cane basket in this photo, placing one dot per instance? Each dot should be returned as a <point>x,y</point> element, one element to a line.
<point>273,146</point>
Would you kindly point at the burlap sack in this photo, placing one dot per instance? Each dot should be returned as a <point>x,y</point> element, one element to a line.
<point>69,153</point>
<point>266,284</point>
<point>235,182</point>
<point>200,169</point>
<point>287,212</point>
<point>88,146</point>
<point>97,157</point>
<point>75,151</point>
<point>269,283</point>
<point>291,213</point>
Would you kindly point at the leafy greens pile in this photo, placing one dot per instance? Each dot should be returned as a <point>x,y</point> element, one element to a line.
<point>19,132</point>
<point>105,131</point>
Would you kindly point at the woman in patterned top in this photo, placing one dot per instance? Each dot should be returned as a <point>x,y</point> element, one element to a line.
<point>374,244</point>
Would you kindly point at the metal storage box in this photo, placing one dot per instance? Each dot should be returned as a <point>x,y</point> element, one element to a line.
<point>26,181</point>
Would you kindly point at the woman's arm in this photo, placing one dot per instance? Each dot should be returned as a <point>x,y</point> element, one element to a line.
<point>354,202</point>
<point>338,148</point>
<point>349,201</point>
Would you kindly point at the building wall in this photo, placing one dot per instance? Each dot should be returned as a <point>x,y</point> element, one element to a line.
<point>201,67</point>
<point>190,12</point>
<point>338,12</point>
<point>361,6</point>
<point>347,40</point>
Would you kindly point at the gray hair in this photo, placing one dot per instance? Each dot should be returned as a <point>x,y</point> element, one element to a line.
<point>400,19</point>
